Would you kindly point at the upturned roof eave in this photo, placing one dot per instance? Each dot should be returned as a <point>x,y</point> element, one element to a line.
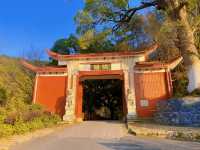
<point>170,65</point>
<point>37,69</point>
<point>61,57</point>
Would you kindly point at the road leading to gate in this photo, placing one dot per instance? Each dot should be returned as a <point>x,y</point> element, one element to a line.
<point>101,135</point>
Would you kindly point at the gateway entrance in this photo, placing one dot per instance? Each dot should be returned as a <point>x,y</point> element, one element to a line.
<point>62,89</point>
<point>103,99</point>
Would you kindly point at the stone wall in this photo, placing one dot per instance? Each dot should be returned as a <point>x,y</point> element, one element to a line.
<point>164,131</point>
<point>179,112</point>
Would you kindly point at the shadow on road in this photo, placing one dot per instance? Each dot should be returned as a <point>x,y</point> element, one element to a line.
<point>125,146</point>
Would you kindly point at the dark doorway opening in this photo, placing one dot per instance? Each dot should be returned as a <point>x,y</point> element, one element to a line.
<point>103,99</point>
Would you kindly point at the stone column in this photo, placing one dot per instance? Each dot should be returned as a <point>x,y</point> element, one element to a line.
<point>130,91</point>
<point>71,93</point>
<point>131,99</point>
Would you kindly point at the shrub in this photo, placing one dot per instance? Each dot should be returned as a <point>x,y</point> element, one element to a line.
<point>3,96</point>
<point>29,116</point>
<point>196,92</point>
<point>49,120</point>
<point>17,114</point>
<point>16,105</point>
<point>6,130</point>
<point>11,119</point>
<point>180,87</point>
<point>35,107</point>
<point>35,124</point>
<point>2,115</point>
<point>21,128</point>
<point>180,83</point>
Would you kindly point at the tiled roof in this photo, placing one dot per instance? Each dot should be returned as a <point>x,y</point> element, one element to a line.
<point>144,52</point>
<point>43,69</point>
<point>158,65</point>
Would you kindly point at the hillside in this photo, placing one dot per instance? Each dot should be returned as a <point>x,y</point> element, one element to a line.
<point>16,83</point>
<point>17,114</point>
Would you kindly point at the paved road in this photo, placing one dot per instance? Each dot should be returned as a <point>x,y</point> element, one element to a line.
<point>96,135</point>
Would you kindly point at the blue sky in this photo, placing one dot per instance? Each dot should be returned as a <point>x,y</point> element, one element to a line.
<point>36,24</point>
<point>27,24</point>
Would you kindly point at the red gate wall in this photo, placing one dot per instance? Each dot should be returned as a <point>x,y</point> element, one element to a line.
<point>151,87</point>
<point>51,93</point>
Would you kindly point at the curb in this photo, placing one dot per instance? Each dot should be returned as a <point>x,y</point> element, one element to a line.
<point>167,132</point>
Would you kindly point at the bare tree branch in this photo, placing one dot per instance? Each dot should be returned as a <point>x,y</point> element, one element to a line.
<point>125,16</point>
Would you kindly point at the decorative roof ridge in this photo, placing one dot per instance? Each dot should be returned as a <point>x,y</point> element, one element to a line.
<point>42,69</point>
<point>28,65</point>
<point>144,52</point>
<point>157,64</point>
<point>174,62</point>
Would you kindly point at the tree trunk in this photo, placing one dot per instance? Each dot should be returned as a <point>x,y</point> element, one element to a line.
<point>188,50</point>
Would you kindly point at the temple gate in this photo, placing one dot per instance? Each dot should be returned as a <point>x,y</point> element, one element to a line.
<point>131,67</point>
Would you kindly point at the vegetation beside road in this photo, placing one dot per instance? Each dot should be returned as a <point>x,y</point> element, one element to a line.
<point>17,114</point>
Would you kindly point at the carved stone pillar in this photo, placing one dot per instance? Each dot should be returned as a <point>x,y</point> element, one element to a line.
<point>69,110</point>
<point>71,94</point>
<point>132,114</point>
<point>130,91</point>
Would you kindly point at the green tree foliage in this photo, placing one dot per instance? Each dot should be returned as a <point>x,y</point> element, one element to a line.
<point>164,32</point>
<point>194,18</point>
<point>96,18</point>
<point>65,46</point>
<point>115,25</point>
<point>95,32</point>
<point>161,30</point>
<point>92,42</point>
<point>98,12</point>
<point>181,25</point>
<point>129,26</point>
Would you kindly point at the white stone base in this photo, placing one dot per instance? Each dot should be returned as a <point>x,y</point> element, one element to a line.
<point>194,77</point>
<point>131,117</point>
<point>68,118</point>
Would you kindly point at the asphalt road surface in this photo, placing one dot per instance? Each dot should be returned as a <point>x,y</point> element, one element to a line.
<point>101,135</point>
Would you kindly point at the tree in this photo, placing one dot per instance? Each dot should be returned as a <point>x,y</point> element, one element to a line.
<point>96,20</point>
<point>162,31</point>
<point>119,15</point>
<point>65,46</point>
<point>92,42</point>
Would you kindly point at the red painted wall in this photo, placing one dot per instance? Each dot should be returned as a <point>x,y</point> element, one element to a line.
<point>79,99</point>
<point>51,93</point>
<point>152,87</point>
